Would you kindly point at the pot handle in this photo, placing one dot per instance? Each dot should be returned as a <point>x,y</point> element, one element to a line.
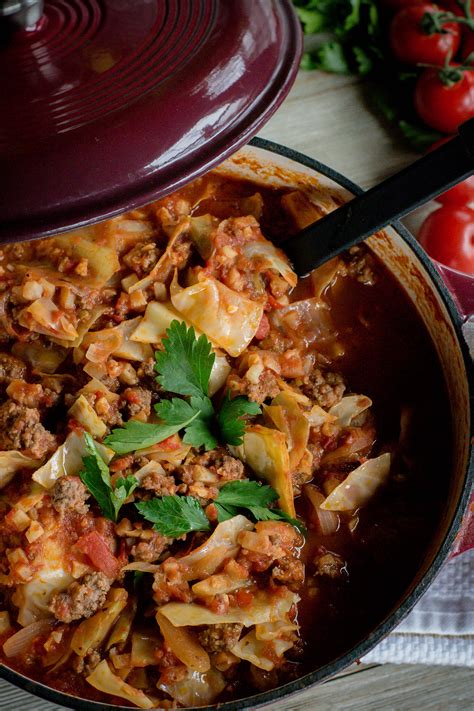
<point>461,287</point>
<point>464,541</point>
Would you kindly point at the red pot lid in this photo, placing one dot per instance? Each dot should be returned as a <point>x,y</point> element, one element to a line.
<point>109,104</point>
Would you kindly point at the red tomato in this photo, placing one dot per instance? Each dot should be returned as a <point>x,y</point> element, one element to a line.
<point>95,547</point>
<point>447,234</point>
<point>462,193</point>
<point>411,45</point>
<point>441,106</point>
<point>467,42</point>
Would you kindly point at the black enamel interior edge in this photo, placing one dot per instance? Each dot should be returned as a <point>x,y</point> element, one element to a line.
<point>394,618</point>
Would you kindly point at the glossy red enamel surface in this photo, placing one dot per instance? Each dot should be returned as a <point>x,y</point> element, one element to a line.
<point>108,104</point>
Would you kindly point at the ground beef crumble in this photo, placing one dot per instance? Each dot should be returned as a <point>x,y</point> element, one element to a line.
<point>70,494</point>
<point>20,428</point>
<point>81,599</point>
<point>326,388</point>
<point>220,637</point>
<point>11,368</point>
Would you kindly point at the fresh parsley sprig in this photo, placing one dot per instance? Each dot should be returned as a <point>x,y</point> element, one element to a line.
<point>174,516</point>
<point>185,364</point>
<point>96,477</point>
<point>184,368</point>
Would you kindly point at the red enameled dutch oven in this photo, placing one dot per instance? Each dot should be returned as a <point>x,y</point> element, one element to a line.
<point>106,106</point>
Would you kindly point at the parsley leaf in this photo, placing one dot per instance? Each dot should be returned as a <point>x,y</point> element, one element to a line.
<point>96,478</point>
<point>419,136</point>
<point>138,435</point>
<point>262,514</point>
<point>229,419</point>
<point>175,411</point>
<point>123,489</point>
<point>174,516</point>
<point>185,365</point>
<point>330,57</point>
<point>199,413</point>
<point>245,493</point>
<point>255,498</point>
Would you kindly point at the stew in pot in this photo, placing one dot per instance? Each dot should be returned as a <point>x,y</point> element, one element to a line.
<point>215,477</point>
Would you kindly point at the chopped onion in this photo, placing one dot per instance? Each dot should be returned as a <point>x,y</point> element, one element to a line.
<point>328,521</point>
<point>20,642</point>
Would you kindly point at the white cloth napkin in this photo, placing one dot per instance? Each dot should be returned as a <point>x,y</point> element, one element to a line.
<point>440,629</point>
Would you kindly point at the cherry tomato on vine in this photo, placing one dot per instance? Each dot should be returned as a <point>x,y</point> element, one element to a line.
<point>447,234</point>
<point>462,193</point>
<point>444,98</point>
<point>412,43</point>
<point>467,46</point>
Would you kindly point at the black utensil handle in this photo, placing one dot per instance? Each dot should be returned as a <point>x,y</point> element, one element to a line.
<point>395,197</point>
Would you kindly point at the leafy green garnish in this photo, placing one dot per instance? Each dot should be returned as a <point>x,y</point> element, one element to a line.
<point>96,477</point>
<point>139,435</point>
<point>174,516</point>
<point>184,368</point>
<point>252,496</point>
<point>420,137</point>
<point>229,419</point>
<point>185,365</point>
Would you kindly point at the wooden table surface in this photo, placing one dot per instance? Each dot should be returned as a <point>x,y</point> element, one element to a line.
<point>326,117</point>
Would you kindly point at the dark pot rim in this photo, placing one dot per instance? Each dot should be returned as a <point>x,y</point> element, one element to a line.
<point>392,619</point>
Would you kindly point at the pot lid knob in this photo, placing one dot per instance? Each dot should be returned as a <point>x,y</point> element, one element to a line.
<point>24,14</point>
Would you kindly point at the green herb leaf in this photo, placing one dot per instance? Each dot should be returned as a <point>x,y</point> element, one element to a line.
<point>245,493</point>
<point>200,432</point>
<point>263,514</point>
<point>229,419</point>
<point>185,365</point>
<point>419,136</point>
<point>123,489</point>
<point>312,20</point>
<point>139,435</point>
<point>173,516</point>
<point>175,411</point>
<point>255,498</point>
<point>331,58</point>
<point>363,59</point>
<point>96,477</point>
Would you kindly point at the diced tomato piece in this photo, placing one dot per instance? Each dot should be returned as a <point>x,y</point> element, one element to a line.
<point>244,598</point>
<point>95,547</point>
<point>75,426</point>
<point>263,329</point>
<point>170,444</point>
<point>120,464</point>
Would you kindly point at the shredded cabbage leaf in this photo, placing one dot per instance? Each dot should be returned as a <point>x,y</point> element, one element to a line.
<point>221,545</point>
<point>349,408</point>
<point>103,679</point>
<point>12,462</point>
<point>256,651</point>
<point>359,486</point>
<point>197,689</point>
<point>67,460</point>
<point>226,317</point>
<point>266,607</point>
<point>266,452</point>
